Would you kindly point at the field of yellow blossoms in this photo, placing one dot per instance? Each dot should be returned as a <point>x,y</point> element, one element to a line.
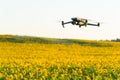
<point>36,61</point>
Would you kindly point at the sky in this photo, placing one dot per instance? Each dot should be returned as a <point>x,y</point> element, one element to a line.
<point>42,18</point>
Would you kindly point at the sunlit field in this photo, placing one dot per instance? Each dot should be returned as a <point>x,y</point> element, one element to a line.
<point>38,61</point>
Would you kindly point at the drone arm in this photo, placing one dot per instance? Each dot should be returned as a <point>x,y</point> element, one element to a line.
<point>68,22</point>
<point>63,23</point>
<point>98,24</point>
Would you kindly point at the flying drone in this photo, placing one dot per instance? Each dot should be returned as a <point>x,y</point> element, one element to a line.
<point>80,22</point>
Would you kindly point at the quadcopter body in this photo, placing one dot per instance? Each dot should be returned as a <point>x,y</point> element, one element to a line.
<point>80,22</point>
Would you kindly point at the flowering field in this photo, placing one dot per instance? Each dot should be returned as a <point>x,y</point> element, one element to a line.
<point>36,61</point>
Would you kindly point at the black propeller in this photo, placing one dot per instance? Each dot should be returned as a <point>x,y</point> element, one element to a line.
<point>63,24</point>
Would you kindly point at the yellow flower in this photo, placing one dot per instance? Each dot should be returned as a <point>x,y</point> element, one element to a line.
<point>15,76</point>
<point>88,78</point>
<point>21,75</point>
<point>31,75</point>
<point>113,70</point>
<point>1,75</point>
<point>12,70</point>
<point>9,77</point>
<point>25,78</point>
<point>19,59</point>
<point>118,75</point>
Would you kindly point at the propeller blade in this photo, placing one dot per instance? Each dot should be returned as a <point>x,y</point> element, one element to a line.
<point>63,24</point>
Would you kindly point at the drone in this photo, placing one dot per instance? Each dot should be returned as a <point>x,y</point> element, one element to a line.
<point>80,22</point>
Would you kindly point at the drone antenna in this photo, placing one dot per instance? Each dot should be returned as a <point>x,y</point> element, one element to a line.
<point>63,24</point>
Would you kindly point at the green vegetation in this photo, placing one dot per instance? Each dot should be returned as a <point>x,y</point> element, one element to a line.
<point>30,39</point>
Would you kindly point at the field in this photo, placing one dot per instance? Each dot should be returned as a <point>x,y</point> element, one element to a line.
<point>54,59</point>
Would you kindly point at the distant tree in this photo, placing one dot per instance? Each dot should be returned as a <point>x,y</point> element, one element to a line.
<point>117,40</point>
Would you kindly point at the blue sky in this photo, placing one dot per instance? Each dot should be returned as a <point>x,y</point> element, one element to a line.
<point>41,18</point>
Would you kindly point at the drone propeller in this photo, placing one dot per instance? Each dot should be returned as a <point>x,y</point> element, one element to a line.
<point>98,24</point>
<point>63,24</point>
